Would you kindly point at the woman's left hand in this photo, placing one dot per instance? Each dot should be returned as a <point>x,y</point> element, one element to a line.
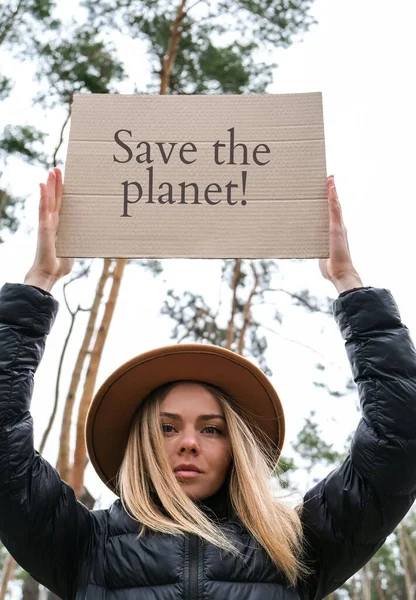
<point>338,268</point>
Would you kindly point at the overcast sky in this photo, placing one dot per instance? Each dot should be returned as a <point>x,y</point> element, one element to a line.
<point>361,57</point>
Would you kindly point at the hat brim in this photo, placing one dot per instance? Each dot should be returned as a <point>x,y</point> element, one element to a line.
<point>116,402</point>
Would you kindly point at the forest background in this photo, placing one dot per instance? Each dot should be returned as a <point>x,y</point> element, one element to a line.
<point>360,55</point>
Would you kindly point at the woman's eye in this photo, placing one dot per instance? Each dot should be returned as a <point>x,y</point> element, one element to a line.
<point>212,429</point>
<point>166,428</point>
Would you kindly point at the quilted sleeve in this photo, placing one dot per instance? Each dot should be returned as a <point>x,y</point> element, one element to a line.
<point>349,514</point>
<point>42,524</point>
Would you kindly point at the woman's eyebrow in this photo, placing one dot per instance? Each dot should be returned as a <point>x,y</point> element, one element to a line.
<point>201,417</point>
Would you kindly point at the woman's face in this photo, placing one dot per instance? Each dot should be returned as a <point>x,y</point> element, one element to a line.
<point>195,436</point>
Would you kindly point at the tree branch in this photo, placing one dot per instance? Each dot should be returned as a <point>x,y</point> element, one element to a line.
<point>231,324</point>
<point>58,380</point>
<point>61,139</point>
<point>170,57</point>
<point>61,360</point>
<point>311,307</point>
<point>77,276</point>
<point>247,309</point>
<point>300,344</point>
<point>194,4</point>
<point>62,463</point>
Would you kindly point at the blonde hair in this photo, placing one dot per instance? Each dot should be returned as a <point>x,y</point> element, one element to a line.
<point>145,470</point>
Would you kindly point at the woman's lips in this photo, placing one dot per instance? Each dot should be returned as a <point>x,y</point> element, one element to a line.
<point>187,474</point>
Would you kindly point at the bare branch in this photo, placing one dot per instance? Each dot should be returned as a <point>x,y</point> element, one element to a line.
<point>58,380</point>
<point>247,309</point>
<point>62,463</point>
<point>231,324</point>
<point>191,7</point>
<point>287,339</point>
<point>61,139</point>
<point>66,284</point>
<point>295,296</point>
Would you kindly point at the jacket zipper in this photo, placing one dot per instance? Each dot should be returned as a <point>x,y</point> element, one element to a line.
<point>193,567</point>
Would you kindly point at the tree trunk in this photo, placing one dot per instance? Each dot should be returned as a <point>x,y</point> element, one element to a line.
<point>377,581</point>
<point>44,593</point>
<point>174,39</point>
<point>405,564</point>
<point>8,570</point>
<point>80,453</point>
<point>410,550</point>
<point>380,591</point>
<point>247,311</point>
<point>355,595</point>
<point>231,324</point>
<point>366,582</point>
<point>30,590</point>
<point>63,462</point>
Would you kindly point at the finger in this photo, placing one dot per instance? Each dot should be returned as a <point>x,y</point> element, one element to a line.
<point>50,187</point>
<point>58,189</point>
<point>43,204</point>
<point>335,211</point>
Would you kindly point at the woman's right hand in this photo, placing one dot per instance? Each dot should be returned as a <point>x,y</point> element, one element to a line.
<point>47,268</point>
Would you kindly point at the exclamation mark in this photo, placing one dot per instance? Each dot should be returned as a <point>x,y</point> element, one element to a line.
<point>244,178</point>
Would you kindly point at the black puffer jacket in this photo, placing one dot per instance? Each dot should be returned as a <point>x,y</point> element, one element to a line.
<point>94,555</point>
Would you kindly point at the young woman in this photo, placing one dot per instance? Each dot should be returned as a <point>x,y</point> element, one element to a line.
<point>187,436</point>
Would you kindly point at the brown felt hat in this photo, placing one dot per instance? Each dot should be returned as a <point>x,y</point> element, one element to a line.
<point>116,402</point>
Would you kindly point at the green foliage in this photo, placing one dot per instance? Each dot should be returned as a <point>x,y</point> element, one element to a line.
<point>201,66</point>
<point>272,21</point>
<point>195,321</point>
<point>212,57</point>
<point>67,61</point>
<point>284,469</point>
<point>40,9</point>
<point>18,21</point>
<point>76,64</point>
<point>149,264</point>
<point>312,304</point>
<point>23,141</point>
<point>312,448</point>
<point>9,205</point>
<point>6,86</point>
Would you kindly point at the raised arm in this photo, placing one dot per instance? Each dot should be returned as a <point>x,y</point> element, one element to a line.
<point>348,515</point>
<point>42,524</point>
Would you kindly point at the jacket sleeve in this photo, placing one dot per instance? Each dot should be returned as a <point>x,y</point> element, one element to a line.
<point>347,516</point>
<point>42,524</point>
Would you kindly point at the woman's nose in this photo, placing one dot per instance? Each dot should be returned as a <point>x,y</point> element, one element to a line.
<point>189,443</point>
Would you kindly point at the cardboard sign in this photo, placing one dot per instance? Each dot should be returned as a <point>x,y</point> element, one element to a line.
<point>195,177</point>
